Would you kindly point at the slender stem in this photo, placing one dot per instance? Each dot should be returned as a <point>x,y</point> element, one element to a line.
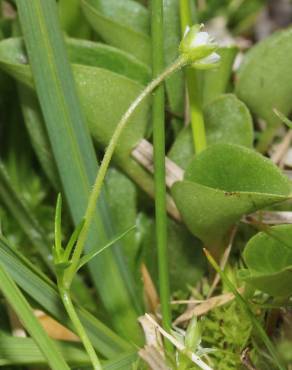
<point>158,119</point>
<point>66,298</point>
<point>197,118</point>
<point>89,214</point>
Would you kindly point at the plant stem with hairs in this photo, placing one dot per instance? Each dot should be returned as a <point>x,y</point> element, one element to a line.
<point>89,213</point>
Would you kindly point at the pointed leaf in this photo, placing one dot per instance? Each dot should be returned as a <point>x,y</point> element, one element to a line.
<point>72,241</point>
<point>88,257</point>
<point>58,226</point>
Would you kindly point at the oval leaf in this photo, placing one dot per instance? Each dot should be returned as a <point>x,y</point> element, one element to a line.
<point>222,184</point>
<point>105,95</point>
<point>265,77</point>
<point>96,54</point>
<point>268,256</point>
<point>117,33</point>
<point>227,120</point>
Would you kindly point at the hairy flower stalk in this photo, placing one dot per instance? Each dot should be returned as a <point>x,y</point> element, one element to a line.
<point>195,48</point>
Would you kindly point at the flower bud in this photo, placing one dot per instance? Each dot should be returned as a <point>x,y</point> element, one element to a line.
<point>197,45</point>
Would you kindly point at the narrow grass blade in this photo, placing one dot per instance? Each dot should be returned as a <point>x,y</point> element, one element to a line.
<point>23,216</point>
<point>24,351</point>
<point>283,118</point>
<point>158,118</point>
<point>45,294</point>
<point>88,257</point>
<point>75,157</point>
<point>30,322</point>
<point>36,129</point>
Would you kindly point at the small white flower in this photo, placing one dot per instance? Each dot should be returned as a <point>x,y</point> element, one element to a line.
<point>196,44</point>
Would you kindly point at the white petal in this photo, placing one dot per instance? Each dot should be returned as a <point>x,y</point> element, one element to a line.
<point>211,59</point>
<point>201,39</point>
<point>187,30</point>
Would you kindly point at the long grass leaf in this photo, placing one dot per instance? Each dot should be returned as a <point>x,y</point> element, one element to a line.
<point>158,118</point>
<point>30,322</point>
<point>24,351</point>
<point>74,154</point>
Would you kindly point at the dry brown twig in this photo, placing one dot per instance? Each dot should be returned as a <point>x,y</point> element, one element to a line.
<point>246,361</point>
<point>206,306</point>
<point>151,295</point>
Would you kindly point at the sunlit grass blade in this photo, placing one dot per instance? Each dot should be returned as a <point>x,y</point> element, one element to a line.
<point>45,294</point>
<point>30,322</point>
<point>75,157</point>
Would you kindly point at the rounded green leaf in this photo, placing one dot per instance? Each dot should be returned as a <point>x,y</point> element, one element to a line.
<point>268,256</point>
<point>222,184</point>
<point>265,76</point>
<point>118,33</point>
<point>127,12</point>
<point>96,54</point>
<point>227,120</point>
<point>105,95</point>
<point>82,52</point>
<point>109,93</point>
